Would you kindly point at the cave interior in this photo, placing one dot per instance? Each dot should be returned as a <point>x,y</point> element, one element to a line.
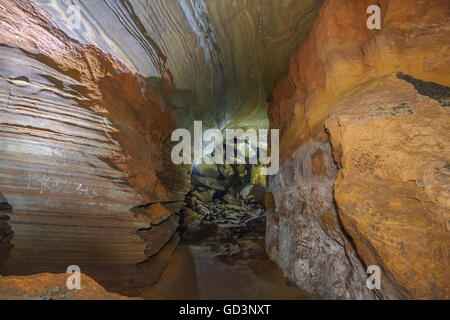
<point>117,152</point>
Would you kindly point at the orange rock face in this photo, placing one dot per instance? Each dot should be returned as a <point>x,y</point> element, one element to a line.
<point>392,191</point>
<point>53,287</point>
<point>82,142</point>
<point>341,52</point>
<point>389,135</point>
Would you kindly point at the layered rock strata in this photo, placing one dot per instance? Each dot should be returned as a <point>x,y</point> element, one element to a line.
<point>82,142</point>
<point>225,57</point>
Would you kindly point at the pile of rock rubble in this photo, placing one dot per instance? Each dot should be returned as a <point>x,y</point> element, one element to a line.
<point>223,206</point>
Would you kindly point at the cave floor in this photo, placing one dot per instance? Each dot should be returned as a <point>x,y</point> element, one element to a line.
<point>196,272</point>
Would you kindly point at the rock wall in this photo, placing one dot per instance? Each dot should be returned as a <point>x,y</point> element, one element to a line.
<point>304,234</point>
<point>224,56</point>
<point>384,97</point>
<point>5,230</point>
<point>83,150</point>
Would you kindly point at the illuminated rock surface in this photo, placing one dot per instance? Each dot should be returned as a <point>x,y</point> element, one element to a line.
<point>224,57</point>
<point>389,135</point>
<point>86,114</point>
<point>52,287</point>
<point>82,143</point>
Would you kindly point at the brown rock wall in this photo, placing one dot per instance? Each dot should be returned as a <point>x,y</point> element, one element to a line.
<point>393,187</point>
<point>82,142</point>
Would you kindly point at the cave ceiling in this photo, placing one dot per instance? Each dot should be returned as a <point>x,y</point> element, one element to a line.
<point>222,57</point>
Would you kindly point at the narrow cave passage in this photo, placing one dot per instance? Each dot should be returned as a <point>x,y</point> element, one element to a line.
<point>221,254</point>
<point>91,96</point>
<point>224,149</point>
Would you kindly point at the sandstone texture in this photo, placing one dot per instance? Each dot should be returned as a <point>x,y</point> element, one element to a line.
<point>83,147</point>
<point>87,111</point>
<point>364,177</point>
<point>393,189</point>
<point>224,57</point>
<point>48,286</point>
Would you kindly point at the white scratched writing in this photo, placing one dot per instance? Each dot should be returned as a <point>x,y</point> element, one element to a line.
<point>53,184</point>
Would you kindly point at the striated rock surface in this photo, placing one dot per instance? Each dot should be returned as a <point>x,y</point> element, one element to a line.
<point>86,112</point>
<point>52,287</point>
<point>225,57</point>
<point>82,142</point>
<point>389,205</point>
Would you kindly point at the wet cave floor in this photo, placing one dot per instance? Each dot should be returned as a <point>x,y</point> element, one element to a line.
<point>199,272</point>
<point>222,253</point>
